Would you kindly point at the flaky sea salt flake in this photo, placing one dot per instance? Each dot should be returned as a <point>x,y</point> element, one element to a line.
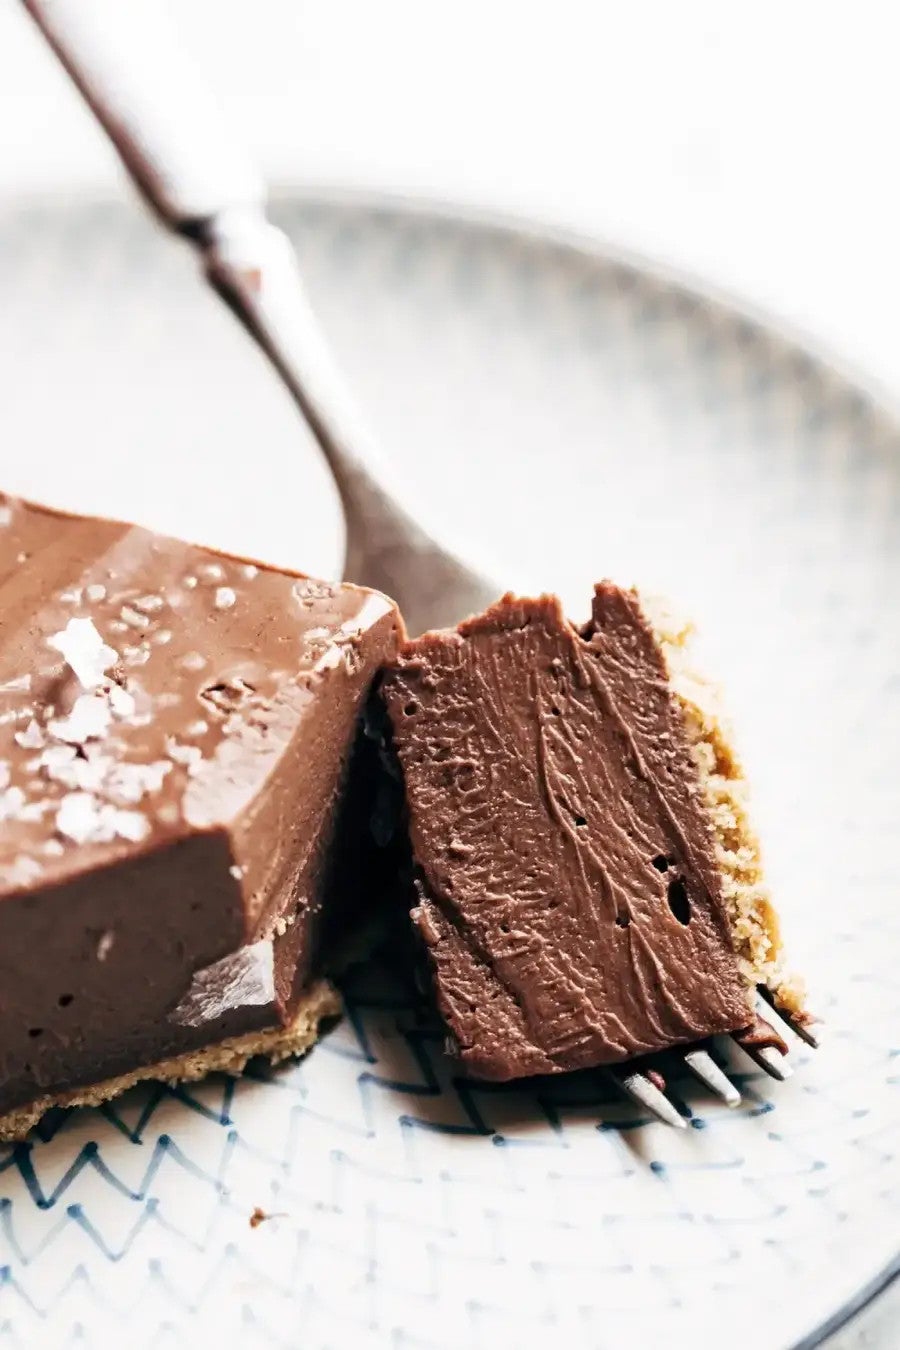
<point>136,656</point>
<point>307,591</point>
<point>189,755</point>
<point>22,871</point>
<point>225,597</point>
<point>121,702</point>
<point>131,825</point>
<point>79,819</point>
<point>5,515</point>
<point>88,774</point>
<point>55,756</point>
<point>32,811</point>
<point>89,720</point>
<point>85,820</point>
<point>133,617</point>
<point>62,765</point>
<point>149,604</point>
<point>32,738</point>
<point>130,783</point>
<point>84,651</point>
<point>95,593</point>
<point>72,596</point>
<point>11,802</point>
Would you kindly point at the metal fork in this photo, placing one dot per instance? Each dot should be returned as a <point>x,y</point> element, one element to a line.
<point>152,103</point>
<point>646,1092</point>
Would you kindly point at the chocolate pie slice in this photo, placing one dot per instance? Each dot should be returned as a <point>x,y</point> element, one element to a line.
<point>185,802</point>
<point>589,887</point>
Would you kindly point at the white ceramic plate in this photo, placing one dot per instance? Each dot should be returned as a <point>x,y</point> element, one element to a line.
<point>578,418</point>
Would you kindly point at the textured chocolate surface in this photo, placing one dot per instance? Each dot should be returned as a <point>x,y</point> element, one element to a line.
<point>568,896</point>
<point>165,827</point>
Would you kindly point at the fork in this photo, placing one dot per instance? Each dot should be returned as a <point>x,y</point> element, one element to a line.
<point>130,69</point>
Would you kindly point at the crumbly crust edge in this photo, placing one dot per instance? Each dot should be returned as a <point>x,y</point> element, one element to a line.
<point>755,929</point>
<point>320,1001</point>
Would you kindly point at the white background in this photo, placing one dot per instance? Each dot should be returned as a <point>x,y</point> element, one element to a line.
<point>752,145</point>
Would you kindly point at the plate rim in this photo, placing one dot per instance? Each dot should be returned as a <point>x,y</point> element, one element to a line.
<point>599,247</point>
<point>537,230</point>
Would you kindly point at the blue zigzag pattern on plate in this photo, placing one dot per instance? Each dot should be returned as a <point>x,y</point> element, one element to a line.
<point>476,1110</point>
<point>547,1103</point>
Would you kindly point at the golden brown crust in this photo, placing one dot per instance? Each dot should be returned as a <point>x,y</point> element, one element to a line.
<point>754,922</point>
<point>319,1002</point>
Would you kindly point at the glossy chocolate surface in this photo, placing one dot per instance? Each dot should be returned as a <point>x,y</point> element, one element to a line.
<point>171,769</point>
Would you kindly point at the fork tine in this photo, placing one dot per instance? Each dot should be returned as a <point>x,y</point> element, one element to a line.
<point>768,1057</point>
<point>704,1067</point>
<point>640,1089</point>
<point>798,1027</point>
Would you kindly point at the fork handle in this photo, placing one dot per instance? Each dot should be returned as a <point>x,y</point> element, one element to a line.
<point>132,71</point>
<point>153,105</point>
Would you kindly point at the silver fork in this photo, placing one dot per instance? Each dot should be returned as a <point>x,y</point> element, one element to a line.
<point>643,1090</point>
<point>131,70</point>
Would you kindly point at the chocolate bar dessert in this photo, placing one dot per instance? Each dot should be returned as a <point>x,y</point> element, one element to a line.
<point>588,885</point>
<point>176,735</point>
